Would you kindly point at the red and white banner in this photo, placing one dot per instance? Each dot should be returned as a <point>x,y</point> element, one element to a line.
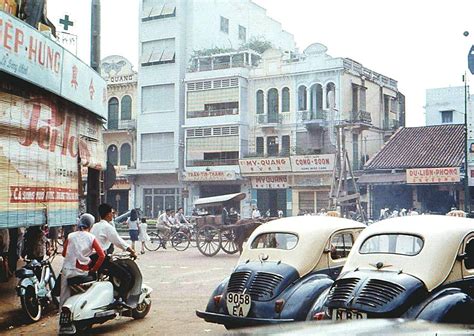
<point>433,175</point>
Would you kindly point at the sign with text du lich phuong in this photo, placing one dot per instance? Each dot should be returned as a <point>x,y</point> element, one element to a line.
<point>433,175</point>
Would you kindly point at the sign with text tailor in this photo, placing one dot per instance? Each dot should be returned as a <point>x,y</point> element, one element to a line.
<point>270,182</point>
<point>433,175</point>
<point>198,176</point>
<point>312,163</point>
<point>265,165</point>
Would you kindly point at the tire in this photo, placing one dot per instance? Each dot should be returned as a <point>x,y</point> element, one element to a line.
<point>228,244</point>
<point>82,327</point>
<point>208,240</point>
<point>142,309</point>
<point>154,243</point>
<point>180,241</point>
<point>31,305</point>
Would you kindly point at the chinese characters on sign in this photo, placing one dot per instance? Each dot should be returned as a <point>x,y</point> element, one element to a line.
<point>433,175</point>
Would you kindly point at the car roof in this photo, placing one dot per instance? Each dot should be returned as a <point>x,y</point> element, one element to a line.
<point>313,233</point>
<point>442,237</point>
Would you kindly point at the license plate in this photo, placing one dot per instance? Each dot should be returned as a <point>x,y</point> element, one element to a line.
<point>238,304</point>
<point>65,318</point>
<point>343,314</point>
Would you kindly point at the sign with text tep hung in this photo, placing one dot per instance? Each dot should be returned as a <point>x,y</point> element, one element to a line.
<point>39,148</point>
<point>433,175</point>
<point>27,54</point>
<point>312,163</point>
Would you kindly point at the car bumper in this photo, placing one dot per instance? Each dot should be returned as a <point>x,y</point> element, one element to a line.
<point>236,322</point>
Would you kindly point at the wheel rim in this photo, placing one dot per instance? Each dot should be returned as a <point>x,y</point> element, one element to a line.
<point>180,241</point>
<point>32,305</point>
<point>208,240</point>
<point>228,241</point>
<point>153,243</point>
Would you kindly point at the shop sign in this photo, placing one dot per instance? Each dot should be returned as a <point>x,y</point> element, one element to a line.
<point>433,175</point>
<point>265,165</point>
<point>120,171</point>
<point>198,176</point>
<point>312,163</point>
<point>121,184</point>
<point>26,53</point>
<point>270,182</point>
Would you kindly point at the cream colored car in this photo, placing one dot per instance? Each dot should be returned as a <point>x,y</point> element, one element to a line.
<point>285,266</point>
<point>415,267</point>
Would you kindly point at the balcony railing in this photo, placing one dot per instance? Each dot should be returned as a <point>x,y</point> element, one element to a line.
<point>391,124</point>
<point>127,124</point>
<point>276,118</point>
<point>210,163</point>
<point>282,153</point>
<point>305,116</point>
<point>361,116</point>
<point>212,113</point>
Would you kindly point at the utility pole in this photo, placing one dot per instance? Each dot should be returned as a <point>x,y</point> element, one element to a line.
<point>343,176</point>
<point>93,175</point>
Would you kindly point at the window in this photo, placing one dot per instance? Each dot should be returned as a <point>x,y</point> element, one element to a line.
<point>158,9</point>
<point>158,147</point>
<point>260,102</point>
<point>224,25</point>
<point>158,52</point>
<point>330,96</point>
<point>469,251</point>
<point>403,244</point>
<point>112,121</point>
<point>341,244</point>
<point>285,100</point>
<point>446,117</point>
<point>112,155</point>
<point>275,240</point>
<point>158,98</point>
<point>156,200</point>
<point>302,98</point>
<point>125,155</point>
<point>126,108</point>
<point>355,151</point>
<point>242,33</point>
<point>259,146</point>
<point>272,145</point>
<point>316,100</point>
<point>285,145</point>
<point>359,94</point>
<point>272,105</point>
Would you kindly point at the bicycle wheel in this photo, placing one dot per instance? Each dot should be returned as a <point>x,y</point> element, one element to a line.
<point>180,241</point>
<point>208,240</point>
<point>154,243</point>
<point>228,244</point>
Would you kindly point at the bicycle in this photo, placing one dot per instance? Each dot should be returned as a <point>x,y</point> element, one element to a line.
<point>179,240</point>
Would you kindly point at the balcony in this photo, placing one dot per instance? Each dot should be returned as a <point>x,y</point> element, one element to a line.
<point>269,120</point>
<point>212,163</point>
<point>313,119</point>
<point>127,124</point>
<point>212,113</point>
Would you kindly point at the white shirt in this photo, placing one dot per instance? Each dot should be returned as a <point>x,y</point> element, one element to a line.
<point>132,225</point>
<point>256,214</point>
<point>163,219</point>
<point>79,248</point>
<point>106,235</point>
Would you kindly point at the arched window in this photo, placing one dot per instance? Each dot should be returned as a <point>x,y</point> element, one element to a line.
<point>316,101</point>
<point>126,108</point>
<point>272,105</point>
<point>112,155</point>
<point>125,155</point>
<point>285,100</point>
<point>330,96</point>
<point>112,122</point>
<point>259,102</point>
<point>302,98</point>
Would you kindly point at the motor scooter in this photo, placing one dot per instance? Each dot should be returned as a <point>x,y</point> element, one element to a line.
<point>95,301</point>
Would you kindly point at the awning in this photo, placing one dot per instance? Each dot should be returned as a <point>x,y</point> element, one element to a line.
<point>387,178</point>
<point>216,200</point>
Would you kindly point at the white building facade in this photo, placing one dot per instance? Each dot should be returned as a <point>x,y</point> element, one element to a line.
<point>170,32</point>
<point>446,105</point>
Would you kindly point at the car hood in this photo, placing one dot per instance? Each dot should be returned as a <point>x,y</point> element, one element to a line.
<point>262,280</point>
<point>378,293</point>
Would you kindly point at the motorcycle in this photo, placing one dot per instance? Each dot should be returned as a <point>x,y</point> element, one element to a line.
<point>35,286</point>
<point>96,303</point>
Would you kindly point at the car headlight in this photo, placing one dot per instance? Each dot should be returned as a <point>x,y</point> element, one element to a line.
<point>319,311</point>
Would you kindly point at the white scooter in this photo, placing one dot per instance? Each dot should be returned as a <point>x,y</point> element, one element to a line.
<point>95,301</point>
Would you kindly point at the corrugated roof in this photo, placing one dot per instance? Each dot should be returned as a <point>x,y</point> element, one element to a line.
<point>421,147</point>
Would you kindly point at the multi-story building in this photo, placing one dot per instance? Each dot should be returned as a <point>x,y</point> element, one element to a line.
<point>295,104</point>
<point>170,32</point>
<point>120,136</point>
<point>446,105</point>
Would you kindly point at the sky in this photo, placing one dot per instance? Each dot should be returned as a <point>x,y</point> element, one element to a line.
<point>418,43</point>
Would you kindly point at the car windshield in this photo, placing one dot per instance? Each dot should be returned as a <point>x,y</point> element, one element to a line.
<point>275,240</point>
<point>403,244</point>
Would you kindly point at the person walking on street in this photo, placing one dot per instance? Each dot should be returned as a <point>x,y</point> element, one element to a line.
<point>143,235</point>
<point>106,234</point>
<point>78,248</point>
<point>133,225</point>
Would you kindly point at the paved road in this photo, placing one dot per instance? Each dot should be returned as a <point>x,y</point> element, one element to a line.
<point>182,282</point>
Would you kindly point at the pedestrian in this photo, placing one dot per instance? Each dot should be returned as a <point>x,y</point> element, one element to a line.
<point>143,236</point>
<point>280,213</point>
<point>53,234</point>
<point>35,244</point>
<point>133,225</point>
<point>76,252</point>
<point>256,213</point>
<point>107,235</point>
